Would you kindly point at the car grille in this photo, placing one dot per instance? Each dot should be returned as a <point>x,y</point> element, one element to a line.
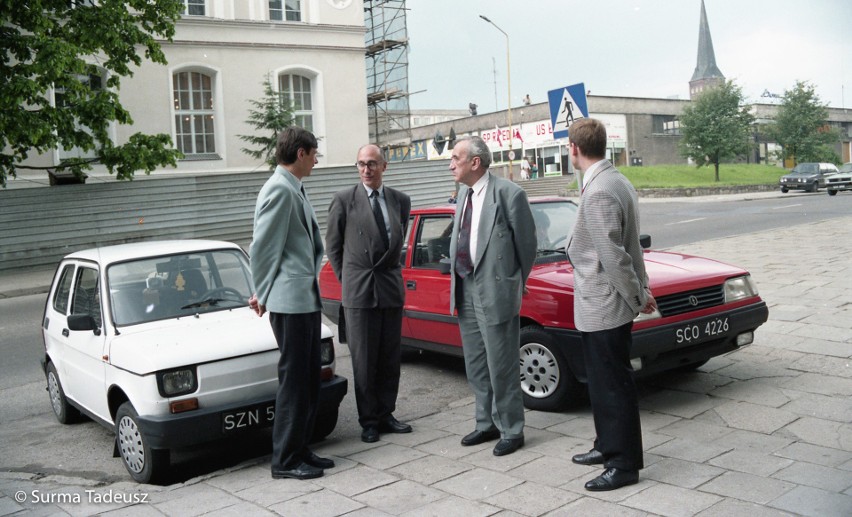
<point>691,300</point>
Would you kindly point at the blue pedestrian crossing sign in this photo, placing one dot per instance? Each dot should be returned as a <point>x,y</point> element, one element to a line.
<point>567,104</point>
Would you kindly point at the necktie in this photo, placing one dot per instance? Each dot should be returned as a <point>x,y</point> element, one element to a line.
<point>380,219</point>
<point>464,264</point>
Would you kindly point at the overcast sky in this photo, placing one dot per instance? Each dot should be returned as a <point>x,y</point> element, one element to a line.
<point>630,48</point>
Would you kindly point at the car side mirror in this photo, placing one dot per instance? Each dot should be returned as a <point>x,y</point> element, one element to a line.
<point>81,322</point>
<point>444,266</point>
<point>645,241</point>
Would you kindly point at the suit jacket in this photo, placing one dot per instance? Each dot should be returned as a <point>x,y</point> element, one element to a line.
<point>371,276</point>
<point>286,250</point>
<point>505,249</point>
<point>609,270</point>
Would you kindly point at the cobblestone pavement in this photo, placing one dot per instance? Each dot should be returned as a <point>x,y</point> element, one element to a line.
<point>762,431</point>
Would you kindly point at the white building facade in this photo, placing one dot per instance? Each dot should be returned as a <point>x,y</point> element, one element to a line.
<point>223,50</point>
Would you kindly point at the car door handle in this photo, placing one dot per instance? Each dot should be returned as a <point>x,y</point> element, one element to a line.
<point>411,284</point>
<point>65,332</point>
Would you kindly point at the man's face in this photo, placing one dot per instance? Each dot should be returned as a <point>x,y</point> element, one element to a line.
<point>573,152</point>
<point>371,165</point>
<point>306,161</point>
<point>462,165</point>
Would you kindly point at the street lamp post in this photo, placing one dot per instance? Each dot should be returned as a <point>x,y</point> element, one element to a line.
<point>508,92</point>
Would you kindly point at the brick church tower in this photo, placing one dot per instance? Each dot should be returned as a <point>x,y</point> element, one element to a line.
<point>706,74</point>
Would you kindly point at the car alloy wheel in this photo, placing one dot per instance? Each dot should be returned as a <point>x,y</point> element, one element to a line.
<point>546,381</point>
<point>65,412</point>
<point>144,464</point>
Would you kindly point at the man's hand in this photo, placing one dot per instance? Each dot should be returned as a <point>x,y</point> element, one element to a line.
<point>650,305</point>
<point>256,307</point>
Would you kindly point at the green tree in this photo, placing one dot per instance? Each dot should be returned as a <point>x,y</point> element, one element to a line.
<point>716,126</point>
<point>801,127</point>
<point>69,46</point>
<point>271,114</point>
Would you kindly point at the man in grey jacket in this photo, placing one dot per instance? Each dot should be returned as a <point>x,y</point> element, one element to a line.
<point>610,290</point>
<point>492,250</point>
<point>286,254</point>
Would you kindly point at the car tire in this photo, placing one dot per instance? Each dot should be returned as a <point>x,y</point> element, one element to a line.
<point>832,192</point>
<point>324,425</point>
<point>145,465</point>
<point>65,412</point>
<point>814,187</point>
<point>784,190</point>
<point>547,383</point>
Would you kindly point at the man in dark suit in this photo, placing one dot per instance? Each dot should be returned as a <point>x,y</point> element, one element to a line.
<point>286,253</point>
<point>492,250</point>
<point>610,290</point>
<point>366,228</point>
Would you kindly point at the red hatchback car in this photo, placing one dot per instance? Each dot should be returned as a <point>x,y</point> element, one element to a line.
<point>706,308</point>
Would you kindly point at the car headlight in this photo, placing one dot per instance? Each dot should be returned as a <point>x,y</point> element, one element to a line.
<point>327,351</point>
<point>177,382</point>
<point>739,288</point>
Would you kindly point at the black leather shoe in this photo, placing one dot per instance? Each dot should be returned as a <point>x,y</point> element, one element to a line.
<point>613,478</point>
<point>317,461</point>
<point>392,425</point>
<point>508,446</point>
<point>300,471</point>
<point>370,434</point>
<point>593,457</point>
<point>477,437</point>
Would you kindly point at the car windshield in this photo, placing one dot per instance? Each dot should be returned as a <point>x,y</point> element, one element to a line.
<point>554,223</point>
<point>172,286</point>
<point>846,167</point>
<point>806,168</point>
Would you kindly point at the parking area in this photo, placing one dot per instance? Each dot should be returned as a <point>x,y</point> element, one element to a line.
<point>763,431</point>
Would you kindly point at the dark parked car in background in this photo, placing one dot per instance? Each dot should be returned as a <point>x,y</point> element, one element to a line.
<point>808,176</point>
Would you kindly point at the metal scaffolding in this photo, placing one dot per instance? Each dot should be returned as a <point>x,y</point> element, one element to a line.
<point>386,44</point>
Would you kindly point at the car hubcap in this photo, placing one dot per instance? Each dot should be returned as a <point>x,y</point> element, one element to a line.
<point>55,397</point>
<point>130,443</point>
<point>539,371</point>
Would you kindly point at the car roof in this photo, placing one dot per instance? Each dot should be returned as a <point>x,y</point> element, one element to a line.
<point>444,208</point>
<point>122,252</point>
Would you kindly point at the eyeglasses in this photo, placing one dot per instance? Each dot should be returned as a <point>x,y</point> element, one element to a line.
<point>372,164</point>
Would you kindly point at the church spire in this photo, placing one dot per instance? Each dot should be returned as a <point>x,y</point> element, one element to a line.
<point>706,72</point>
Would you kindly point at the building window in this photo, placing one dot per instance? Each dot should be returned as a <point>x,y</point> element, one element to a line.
<point>296,90</point>
<point>290,10</point>
<point>93,82</point>
<point>193,7</point>
<point>194,114</point>
<point>665,125</point>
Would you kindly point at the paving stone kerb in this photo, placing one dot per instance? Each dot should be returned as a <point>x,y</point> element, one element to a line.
<point>762,431</point>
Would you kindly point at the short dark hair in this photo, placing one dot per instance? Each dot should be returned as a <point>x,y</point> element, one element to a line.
<point>290,141</point>
<point>589,135</point>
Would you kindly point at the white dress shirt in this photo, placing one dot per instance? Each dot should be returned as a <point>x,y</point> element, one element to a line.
<point>479,189</point>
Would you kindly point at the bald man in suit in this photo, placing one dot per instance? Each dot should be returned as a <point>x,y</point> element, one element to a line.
<point>366,228</point>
